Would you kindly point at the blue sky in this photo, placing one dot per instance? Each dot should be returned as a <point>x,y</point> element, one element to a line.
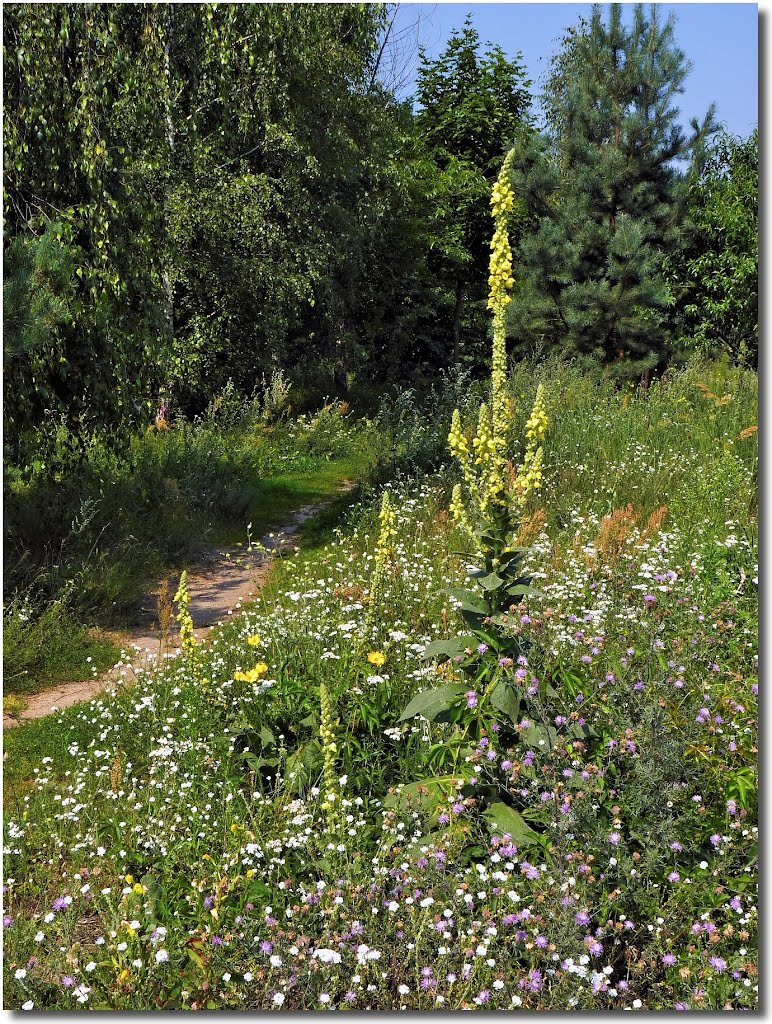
<point>720,39</point>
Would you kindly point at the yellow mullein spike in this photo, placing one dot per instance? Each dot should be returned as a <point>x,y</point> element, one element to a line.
<point>182,597</point>
<point>536,426</point>
<point>491,486</point>
<point>458,511</point>
<point>388,531</point>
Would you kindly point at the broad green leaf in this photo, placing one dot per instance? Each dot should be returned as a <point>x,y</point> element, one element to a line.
<point>505,820</point>
<point>506,700</point>
<point>491,581</point>
<point>424,795</point>
<point>469,600</point>
<point>431,703</point>
<point>523,591</point>
<point>448,648</point>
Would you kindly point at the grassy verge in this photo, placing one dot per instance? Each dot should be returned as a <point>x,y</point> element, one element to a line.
<point>147,513</point>
<point>39,653</point>
<point>279,495</point>
<point>311,813</point>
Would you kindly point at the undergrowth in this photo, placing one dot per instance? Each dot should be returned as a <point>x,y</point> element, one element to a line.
<point>289,817</point>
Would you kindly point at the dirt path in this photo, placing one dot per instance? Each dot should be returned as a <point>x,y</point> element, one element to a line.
<point>218,586</point>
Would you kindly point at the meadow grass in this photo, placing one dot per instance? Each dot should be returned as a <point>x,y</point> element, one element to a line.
<point>178,491</point>
<point>266,823</point>
<point>41,652</point>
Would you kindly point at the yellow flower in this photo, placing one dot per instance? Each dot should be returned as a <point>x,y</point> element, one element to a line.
<point>376,658</point>
<point>536,427</point>
<point>129,879</point>
<point>137,888</point>
<point>254,641</point>
<point>253,674</point>
<point>187,636</point>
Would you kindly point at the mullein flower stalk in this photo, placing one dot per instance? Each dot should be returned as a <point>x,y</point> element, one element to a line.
<point>529,477</point>
<point>500,284</point>
<point>187,636</point>
<point>329,752</point>
<point>182,598</point>
<point>386,534</point>
<point>491,489</point>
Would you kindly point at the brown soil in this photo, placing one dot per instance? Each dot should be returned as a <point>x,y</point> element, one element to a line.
<point>218,587</point>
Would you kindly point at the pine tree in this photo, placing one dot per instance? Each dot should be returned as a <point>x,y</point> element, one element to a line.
<point>603,196</point>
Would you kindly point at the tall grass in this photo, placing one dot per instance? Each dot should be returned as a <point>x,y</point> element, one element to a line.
<point>83,544</point>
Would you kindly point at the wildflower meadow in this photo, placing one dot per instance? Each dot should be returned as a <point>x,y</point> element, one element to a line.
<point>483,734</point>
<point>490,743</point>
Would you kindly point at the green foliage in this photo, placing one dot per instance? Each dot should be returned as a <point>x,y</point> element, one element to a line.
<point>716,275</point>
<point>82,133</point>
<point>213,228</point>
<point>42,649</point>
<point>687,441</point>
<point>275,223</point>
<point>98,533</point>
<point>603,199</point>
<point>471,107</point>
<point>38,282</point>
<point>626,783</point>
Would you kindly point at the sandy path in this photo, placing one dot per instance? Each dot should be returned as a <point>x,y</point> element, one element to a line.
<point>218,586</point>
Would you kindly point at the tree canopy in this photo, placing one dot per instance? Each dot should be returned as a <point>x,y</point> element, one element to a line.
<point>471,106</point>
<point>202,193</point>
<point>604,193</point>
